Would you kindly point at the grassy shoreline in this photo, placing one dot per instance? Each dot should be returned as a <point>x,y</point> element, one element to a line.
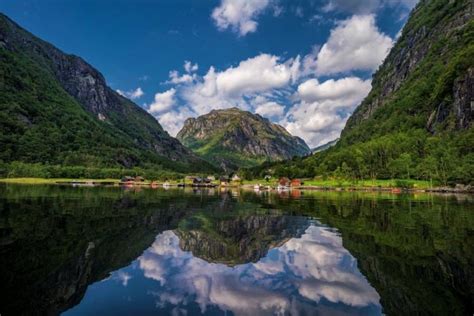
<point>309,184</point>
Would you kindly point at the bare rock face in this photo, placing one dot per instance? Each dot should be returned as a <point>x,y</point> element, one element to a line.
<point>235,138</point>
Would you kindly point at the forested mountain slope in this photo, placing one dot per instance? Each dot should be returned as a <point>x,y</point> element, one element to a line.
<point>57,109</point>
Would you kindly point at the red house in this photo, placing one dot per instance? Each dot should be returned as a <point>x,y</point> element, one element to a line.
<point>296,183</point>
<point>284,182</point>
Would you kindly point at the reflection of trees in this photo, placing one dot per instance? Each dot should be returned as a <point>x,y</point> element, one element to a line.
<point>55,241</point>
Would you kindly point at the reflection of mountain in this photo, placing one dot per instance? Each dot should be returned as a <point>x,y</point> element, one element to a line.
<point>240,239</point>
<point>56,241</point>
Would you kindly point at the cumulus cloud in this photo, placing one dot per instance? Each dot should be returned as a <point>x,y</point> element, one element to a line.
<point>163,101</point>
<point>354,44</point>
<point>172,121</point>
<point>270,109</point>
<point>324,108</point>
<point>189,67</point>
<point>176,78</point>
<point>260,73</point>
<point>235,86</point>
<point>239,15</point>
<point>132,94</point>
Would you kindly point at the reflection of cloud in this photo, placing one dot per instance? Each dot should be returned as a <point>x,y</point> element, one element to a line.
<point>308,271</point>
<point>123,277</point>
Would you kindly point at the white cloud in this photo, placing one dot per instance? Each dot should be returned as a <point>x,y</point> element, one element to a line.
<point>270,109</point>
<point>324,108</point>
<point>259,75</point>
<point>189,67</point>
<point>175,78</point>
<point>172,121</point>
<point>354,44</point>
<point>163,101</point>
<point>239,15</point>
<point>132,94</point>
<point>348,91</point>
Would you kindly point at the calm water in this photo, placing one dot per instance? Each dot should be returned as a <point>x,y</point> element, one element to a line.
<point>109,251</point>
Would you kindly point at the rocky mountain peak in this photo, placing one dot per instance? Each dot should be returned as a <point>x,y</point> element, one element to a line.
<point>234,138</point>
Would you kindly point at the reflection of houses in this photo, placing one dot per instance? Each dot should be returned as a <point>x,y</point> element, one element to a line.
<point>198,181</point>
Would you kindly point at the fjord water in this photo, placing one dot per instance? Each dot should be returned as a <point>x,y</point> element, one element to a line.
<point>110,251</point>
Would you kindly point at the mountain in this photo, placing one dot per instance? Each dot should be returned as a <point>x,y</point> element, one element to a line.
<point>57,109</point>
<point>234,138</point>
<point>324,146</point>
<point>417,120</point>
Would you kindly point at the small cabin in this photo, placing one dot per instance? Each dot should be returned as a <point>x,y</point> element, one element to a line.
<point>296,183</point>
<point>235,178</point>
<point>284,182</point>
<point>139,179</point>
<point>127,179</point>
<point>189,178</point>
<point>211,178</point>
<point>224,180</point>
<point>197,180</point>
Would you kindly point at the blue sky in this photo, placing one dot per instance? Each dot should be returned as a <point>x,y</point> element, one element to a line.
<point>304,64</point>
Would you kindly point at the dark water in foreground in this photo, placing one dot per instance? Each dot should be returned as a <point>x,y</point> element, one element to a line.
<point>107,251</point>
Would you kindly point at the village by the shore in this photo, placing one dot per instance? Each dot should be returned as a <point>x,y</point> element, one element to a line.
<point>268,183</point>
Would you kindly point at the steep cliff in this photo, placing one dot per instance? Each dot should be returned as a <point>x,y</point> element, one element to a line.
<point>234,138</point>
<point>57,109</point>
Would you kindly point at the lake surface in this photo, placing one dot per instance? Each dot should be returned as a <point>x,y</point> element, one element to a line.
<point>111,251</point>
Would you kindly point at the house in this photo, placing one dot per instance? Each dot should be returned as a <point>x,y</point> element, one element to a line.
<point>127,179</point>
<point>139,179</point>
<point>284,182</point>
<point>197,180</point>
<point>224,180</point>
<point>296,183</point>
<point>211,178</point>
<point>189,178</point>
<point>236,178</point>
